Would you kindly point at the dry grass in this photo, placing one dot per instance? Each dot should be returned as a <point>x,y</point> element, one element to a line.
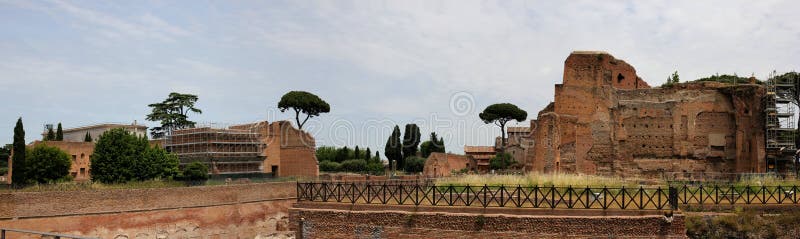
<point>536,179</point>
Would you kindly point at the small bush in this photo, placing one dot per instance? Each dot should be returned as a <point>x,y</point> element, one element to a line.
<point>414,164</point>
<point>501,161</point>
<point>330,166</point>
<point>375,168</point>
<point>354,165</point>
<point>195,171</point>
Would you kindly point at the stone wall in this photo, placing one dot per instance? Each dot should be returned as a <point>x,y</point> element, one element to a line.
<point>606,120</point>
<point>331,220</point>
<point>233,211</point>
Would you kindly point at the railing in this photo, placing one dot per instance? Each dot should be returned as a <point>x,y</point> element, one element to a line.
<point>721,195</point>
<point>3,232</point>
<point>489,196</point>
<point>423,193</point>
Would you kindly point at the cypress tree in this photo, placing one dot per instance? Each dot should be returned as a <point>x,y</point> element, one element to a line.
<point>59,133</point>
<point>88,137</point>
<point>393,149</point>
<point>50,135</point>
<point>356,153</point>
<point>18,160</point>
<point>367,154</point>
<point>411,140</point>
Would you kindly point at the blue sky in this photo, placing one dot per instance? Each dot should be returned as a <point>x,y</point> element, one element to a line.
<point>378,63</point>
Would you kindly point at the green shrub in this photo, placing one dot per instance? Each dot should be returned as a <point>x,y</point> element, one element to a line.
<point>195,171</point>
<point>354,165</point>
<point>120,156</point>
<point>501,161</point>
<point>414,164</point>
<point>45,164</point>
<point>330,166</point>
<point>375,168</point>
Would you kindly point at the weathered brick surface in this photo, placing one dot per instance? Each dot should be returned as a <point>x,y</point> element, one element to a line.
<point>606,120</point>
<point>408,222</point>
<point>235,211</point>
<point>60,203</point>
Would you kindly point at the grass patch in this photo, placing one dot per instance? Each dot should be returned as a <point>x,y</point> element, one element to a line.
<point>558,180</point>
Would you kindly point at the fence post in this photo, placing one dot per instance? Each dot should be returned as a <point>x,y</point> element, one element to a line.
<point>300,228</point>
<point>673,197</point>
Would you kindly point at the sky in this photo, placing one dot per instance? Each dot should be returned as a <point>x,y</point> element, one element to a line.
<point>377,63</point>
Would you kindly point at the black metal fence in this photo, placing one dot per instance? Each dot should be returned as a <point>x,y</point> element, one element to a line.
<point>429,194</point>
<point>489,196</point>
<point>731,195</point>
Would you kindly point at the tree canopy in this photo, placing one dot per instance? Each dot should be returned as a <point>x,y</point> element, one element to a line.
<point>59,133</point>
<point>303,102</point>
<point>411,139</point>
<point>120,156</point>
<point>431,145</point>
<point>500,114</point>
<point>88,137</point>
<point>172,113</point>
<point>393,149</point>
<point>46,164</point>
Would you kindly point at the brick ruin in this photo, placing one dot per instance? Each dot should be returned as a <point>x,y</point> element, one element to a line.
<point>607,120</point>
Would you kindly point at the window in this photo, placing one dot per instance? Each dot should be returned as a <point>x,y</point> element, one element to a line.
<point>620,78</point>
<point>82,155</point>
<point>83,171</point>
<point>74,157</point>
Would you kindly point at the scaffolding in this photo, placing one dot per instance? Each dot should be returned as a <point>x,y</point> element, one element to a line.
<point>235,149</point>
<point>780,119</point>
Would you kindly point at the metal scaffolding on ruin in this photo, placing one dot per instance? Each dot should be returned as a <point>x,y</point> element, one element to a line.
<point>780,119</point>
<point>226,149</point>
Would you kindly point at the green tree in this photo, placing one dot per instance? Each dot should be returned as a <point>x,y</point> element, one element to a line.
<point>87,138</point>
<point>172,113</point>
<point>46,164</point>
<point>326,153</point>
<point>500,114</point>
<point>377,157</point>
<point>368,154</point>
<point>120,156</point>
<point>431,145</point>
<point>354,165</point>
<point>50,135</point>
<point>501,161</point>
<point>411,139</point>
<point>5,153</point>
<point>18,160</point>
<point>303,102</point>
<point>675,78</point>
<point>393,148</point>
<point>356,153</point>
<point>59,133</point>
<point>195,171</point>
<point>342,154</point>
<point>329,166</point>
<point>414,164</point>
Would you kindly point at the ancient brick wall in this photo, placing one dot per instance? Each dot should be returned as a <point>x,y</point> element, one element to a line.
<point>234,211</point>
<point>290,151</point>
<point>606,120</point>
<point>381,221</point>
